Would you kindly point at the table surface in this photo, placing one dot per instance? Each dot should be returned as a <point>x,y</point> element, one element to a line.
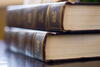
<point>10,59</point>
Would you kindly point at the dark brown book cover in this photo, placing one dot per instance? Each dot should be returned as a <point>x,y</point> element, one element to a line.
<point>55,16</point>
<point>30,16</point>
<point>33,43</point>
<point>39,17</point>
<point>29,43</point>
<point>48,17</point>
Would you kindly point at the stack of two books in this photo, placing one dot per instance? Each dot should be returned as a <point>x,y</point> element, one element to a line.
<point>54,31</point>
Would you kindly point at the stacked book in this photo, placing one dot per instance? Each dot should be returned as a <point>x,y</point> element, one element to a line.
<point>54,31</point>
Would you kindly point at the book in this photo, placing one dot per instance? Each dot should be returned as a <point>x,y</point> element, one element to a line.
<point>61,16</point>
<point>48,46</point>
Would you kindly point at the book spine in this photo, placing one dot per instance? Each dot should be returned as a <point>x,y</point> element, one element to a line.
<point>32,17</point>
<point>31,44</point>
<point>14,41</point>
<point>38,17</point>
<point>39,46</point>
<point>54,17</point>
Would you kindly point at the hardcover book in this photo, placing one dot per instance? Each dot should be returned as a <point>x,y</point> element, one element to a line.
<point>47,46</point>
<point>61,16</point>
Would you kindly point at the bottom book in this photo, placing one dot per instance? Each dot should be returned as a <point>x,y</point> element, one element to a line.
<point>47,46</point>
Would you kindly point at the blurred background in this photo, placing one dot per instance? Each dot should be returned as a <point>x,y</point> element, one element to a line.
<point>3,6</point>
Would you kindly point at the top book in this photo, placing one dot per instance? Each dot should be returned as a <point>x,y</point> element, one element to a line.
<point>61,16</point>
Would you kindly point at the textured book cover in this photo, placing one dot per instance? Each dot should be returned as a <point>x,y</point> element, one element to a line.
<point>61,16</point>
<point>48,46</point>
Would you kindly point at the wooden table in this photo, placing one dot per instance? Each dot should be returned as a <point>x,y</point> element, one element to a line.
<point>10,59</point>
